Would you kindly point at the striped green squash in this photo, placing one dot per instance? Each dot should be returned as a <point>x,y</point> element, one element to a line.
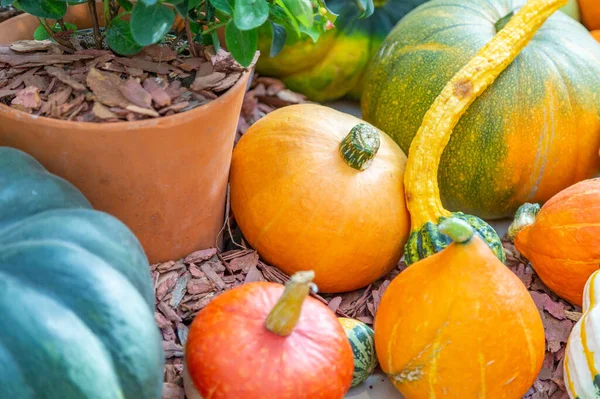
<point>531,134</point>
<point>582,357</point>
<point>362,340</point>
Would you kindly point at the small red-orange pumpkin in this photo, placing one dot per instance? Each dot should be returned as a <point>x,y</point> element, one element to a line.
<point>259,341</point>
<point>562,240</point>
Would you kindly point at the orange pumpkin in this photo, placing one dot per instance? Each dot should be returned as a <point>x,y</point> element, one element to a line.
<point>562,240</point>
<point>458,323</point>
<point>259,341</point>
<point>596,34</point>
<point>314,188</point>
<point>590,13</point>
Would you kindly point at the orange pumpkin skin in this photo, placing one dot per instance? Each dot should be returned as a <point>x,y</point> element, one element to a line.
<point>563,244</point>
<point>231,355</point>
<point>302,207</point>
<point>590,13</point>
<point>596,34</point>
<point>459,324</point>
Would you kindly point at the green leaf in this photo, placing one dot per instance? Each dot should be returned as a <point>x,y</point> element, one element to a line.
<point>149,24</point>
<point>313,32</point>
<point>185,6</point>
<point>119,38</point>
<point>41,34</point>
<point>223,5</point>
<point>283,16</point>
<point>250,14</point>
<point>279,39</point>
<point>301,10</point>
<point>6,3</point>
<point>241,43</point>
<point>149,2</point>
<point>126,4</point>
<point>44,8</point>
<point>367,7</point>
<point>73,2</point>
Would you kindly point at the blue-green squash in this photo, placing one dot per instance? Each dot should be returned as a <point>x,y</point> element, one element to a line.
<point>362,340</point>
<point>76,296</point>
<point>531,134</point>
<point>334,66</point>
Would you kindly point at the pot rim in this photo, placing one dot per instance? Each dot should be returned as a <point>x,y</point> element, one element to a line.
<point>6,111</point>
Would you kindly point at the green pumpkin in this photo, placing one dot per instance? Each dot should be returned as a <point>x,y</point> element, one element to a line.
<point>531,134</point>
<point>362,340</point>
<point>334,66</point>
<point>76,296</point>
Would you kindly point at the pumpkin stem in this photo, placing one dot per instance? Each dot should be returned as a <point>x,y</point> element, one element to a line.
<point>285,314</point>
<point>503,21</point>
<point>457,229</point>
<point>359,147</point>
<point>422,192</point>
<point>524,217</point>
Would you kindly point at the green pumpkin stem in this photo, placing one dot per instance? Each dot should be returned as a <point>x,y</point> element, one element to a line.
<point>285,314</point>
<point>457,229</point>
<point>359,147</point>
<point>524,217</point>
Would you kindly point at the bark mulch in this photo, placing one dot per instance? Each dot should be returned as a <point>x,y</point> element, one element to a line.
<point>186,286</point>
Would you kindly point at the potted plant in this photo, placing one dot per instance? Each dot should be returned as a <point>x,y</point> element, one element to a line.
<point>141,115</point>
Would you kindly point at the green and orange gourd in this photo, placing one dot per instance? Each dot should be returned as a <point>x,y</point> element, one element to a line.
<point>334,66</point>
<point>458,323</point>
<point>527,137</point>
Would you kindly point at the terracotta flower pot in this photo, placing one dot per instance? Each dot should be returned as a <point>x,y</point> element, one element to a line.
<point>165,178</point>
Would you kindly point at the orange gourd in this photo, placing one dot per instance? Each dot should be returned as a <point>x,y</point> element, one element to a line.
<point>261,341</point>
<point>596,34</point>
<point>314,188</point>
<point>590,13</point>
<point>458,323</point>
<point>562,240</point>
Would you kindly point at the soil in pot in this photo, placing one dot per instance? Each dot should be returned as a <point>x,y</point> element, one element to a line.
<point>84,84</point>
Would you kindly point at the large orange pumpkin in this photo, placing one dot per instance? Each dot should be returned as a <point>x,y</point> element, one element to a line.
<point>458,323</point>
<point>261,341</point>
<point>590,13</point>
<point>314,188</point>
<point>562,240</point>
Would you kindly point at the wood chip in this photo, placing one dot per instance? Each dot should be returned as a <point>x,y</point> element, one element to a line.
<point>159,95</point>
<point>106,88</point>
<point>102,112</point>
<point>244,263</point>
<point>159,53</point>
<point>228,82</point>
<point>199,256</point>
<point>150,66</point>
<point>199,286</point>
<point>28,46</point>
<point>40,59</point>
<point>27,99</point>
<point>133,91</point>
<point>207,82</point>
<point>64,77</point>
<point>213,276</point>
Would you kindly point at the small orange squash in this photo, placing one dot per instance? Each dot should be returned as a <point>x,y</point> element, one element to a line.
<point>261,341</point>
<point>562,240</point>
<point>590,13</point>
<point>314,188</point>
<point>458,323</point>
